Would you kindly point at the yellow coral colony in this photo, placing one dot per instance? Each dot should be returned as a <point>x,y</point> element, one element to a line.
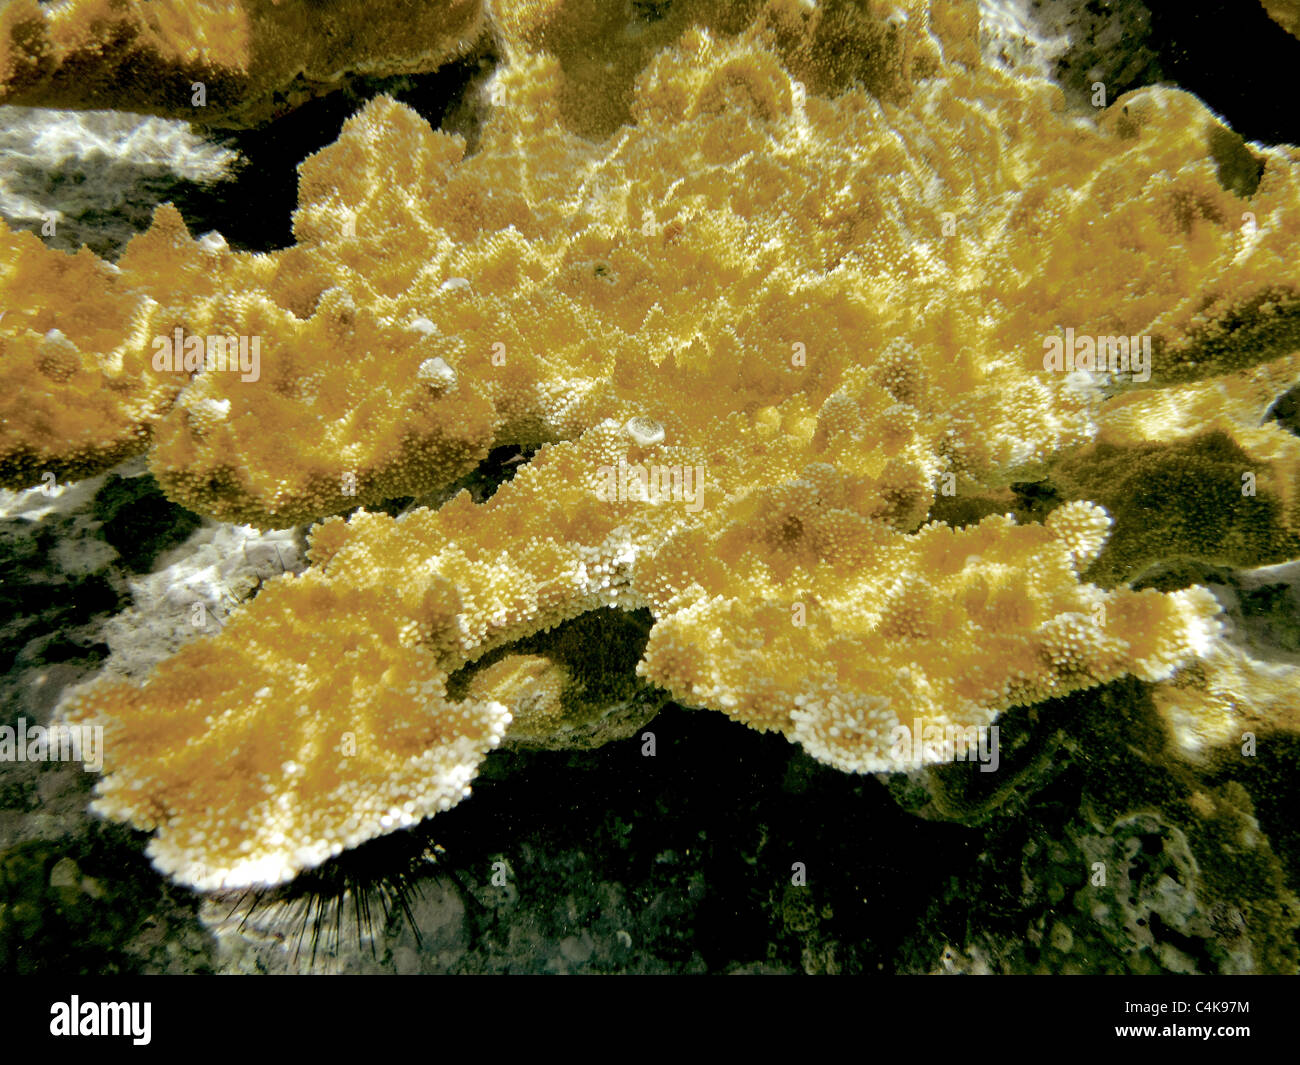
<point>763,330</point>
<point>218,62</point>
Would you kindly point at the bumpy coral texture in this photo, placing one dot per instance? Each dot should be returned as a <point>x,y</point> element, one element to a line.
<point>764,333</point>
<point>253,58</point>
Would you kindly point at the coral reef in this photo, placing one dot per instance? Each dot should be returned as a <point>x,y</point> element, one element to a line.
<point>217,63</point>
<point>780,344</point>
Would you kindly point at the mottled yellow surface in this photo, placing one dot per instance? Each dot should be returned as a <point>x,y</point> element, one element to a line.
<point>369,744</point>
<point>71,402</point>
<point>821,313</point>
<point>254,58</point>
<point>602,47</point>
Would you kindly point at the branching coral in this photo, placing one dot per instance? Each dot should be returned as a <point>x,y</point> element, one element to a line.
<point>253,58</point>
<point>764,332</point>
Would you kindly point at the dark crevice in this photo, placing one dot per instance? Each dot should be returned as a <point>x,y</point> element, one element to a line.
<point>1235,58</point>
<point>254,211</point>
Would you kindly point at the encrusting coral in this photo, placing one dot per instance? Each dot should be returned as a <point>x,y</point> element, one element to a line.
<point>218,62</point>
<point>763,332</point>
